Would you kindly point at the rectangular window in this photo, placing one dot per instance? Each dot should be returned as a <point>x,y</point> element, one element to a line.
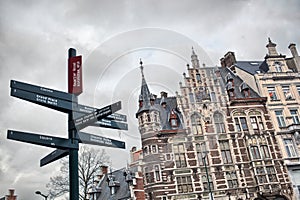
<point>198,77</point>
<point>157,173</point>
<point>153,148</point>
<point>298,89</point>
<point>295,116</point>
<point>225,152</point>
<point>255,152</point>
<point>184,184</point>
<point>271,173</point>
<point>254,123</point>
<point>290,148</point>
<point>213,97</point>
<point>286,92</point>
<point>205,183</point>
<point>241,123</point>
<point>191,96</point>
<point>201,152</point>
<point>261,175</point>
<point>231,179</point>
<point>257,123</point>
<point>280,119</point>
<point>147,175</point>
<point>237,124</point>
<point>179,154</point>
<point>264,151</point>
<point>272,93</point>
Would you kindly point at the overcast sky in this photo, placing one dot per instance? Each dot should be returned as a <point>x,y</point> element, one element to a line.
<point>112,36</point>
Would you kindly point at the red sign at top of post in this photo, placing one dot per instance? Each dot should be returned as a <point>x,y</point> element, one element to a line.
<point>75,75</point>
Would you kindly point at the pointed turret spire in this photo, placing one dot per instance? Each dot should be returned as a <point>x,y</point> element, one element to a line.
<point>194,57</point>
<point>145,95</point>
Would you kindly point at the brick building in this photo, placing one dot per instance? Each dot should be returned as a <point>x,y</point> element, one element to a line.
<point>277,79</point>
<point>214,140</point>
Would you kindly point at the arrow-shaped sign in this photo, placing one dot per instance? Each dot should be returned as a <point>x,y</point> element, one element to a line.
<point>110,124</point>
<point>87,138</point>
<point>43,100</point>
<point>43,140</point>
<point>53,156</point>
<point>42,90</point>
<point>54,99</point>
<point>87,109</point>
<point>91,118</point>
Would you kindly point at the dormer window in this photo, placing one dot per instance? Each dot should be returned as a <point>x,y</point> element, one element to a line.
<point>230,89</point>
<point>229,78</point>
<point>245,89</point>
<point>278,67</point>
<point>173,120</point>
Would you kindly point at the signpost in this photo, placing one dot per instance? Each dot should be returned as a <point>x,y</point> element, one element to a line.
<point>85,116</point>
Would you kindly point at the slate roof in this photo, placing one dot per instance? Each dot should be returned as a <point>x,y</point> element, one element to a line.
<point>122,192</point>
<point>249,66</point>
<point>238,82</point>
<point>252,67</point>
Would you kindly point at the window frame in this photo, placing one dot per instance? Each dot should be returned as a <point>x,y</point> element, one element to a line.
<point>184,184</point>
<point>280,118</point>
<point>290,147</point>
<point>272,93</point>
<point>225,152</point>
<point>196,125</point>
<point>295,116</point>
<point>179,155</point>
<point>219,122</point>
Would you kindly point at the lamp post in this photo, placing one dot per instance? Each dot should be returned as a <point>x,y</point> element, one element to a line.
<point>39,193</point>
<point>205,152</point>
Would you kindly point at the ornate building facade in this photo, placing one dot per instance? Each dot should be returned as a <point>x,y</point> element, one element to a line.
<point>277,78</point>
<point>214,140</point>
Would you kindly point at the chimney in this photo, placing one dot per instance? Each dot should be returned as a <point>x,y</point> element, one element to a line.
<point>293,50</point>
<point>228,60</point>
<point>11,195</point>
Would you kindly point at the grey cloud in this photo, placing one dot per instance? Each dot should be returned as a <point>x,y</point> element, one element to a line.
<point>35,37</point>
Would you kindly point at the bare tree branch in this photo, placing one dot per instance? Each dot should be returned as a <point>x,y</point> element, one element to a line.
<point>89,164</point>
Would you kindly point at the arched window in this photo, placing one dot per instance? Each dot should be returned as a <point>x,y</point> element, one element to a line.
<point>240,121</point>
<point>219,122</point>
<point>196,124</point>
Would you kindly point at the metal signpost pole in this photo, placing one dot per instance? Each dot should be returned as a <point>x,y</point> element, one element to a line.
<point>73,153</point>
<point>79,117</point>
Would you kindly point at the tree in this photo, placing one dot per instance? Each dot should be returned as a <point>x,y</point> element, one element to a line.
<point>90,161</point>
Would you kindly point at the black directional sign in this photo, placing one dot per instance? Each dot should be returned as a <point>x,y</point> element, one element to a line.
<point>110,124</point>
<point>91,118</point>
<point>41,90</point>
<point>43,100</point>
<point>113,116</point>
<point>53,156</point>
<point>43,140</point>
<point>87,138</point>
<point>54,99</point>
